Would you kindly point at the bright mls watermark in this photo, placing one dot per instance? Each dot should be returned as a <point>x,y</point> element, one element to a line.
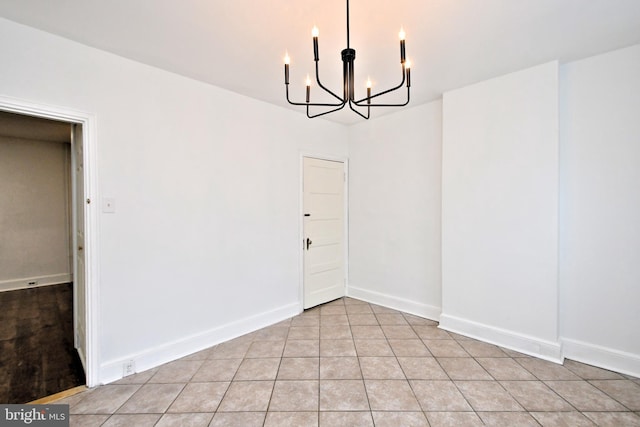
<point>34,415</point>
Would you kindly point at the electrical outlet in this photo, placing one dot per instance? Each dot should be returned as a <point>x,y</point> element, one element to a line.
<point>33,283</point>
<point>128,368</point>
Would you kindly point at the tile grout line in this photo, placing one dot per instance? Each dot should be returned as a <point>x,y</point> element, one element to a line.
<point>276,376</point>
<point>607,394</point>
<point>355,348</point>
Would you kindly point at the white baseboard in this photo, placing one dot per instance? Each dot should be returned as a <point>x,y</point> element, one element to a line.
<point>602,357</point>
<point>33,282</point>
<point>402,304</point>
<point>533,346</point>
<point>150,358</point>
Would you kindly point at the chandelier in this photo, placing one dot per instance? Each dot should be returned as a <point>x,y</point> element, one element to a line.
<point>348,92</point>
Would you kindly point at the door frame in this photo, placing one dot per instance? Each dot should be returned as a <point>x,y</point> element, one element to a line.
<point>90,177</point>
<point>345,162</point>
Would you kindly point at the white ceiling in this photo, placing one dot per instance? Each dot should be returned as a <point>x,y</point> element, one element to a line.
<point>239,44</point>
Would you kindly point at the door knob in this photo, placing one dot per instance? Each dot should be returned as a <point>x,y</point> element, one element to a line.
<point>309,242</point>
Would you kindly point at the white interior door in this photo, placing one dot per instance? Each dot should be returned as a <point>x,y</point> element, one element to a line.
<point>79,200</point>
<point>323,245</point>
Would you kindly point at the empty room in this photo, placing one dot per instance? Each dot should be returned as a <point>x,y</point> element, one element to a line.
<point>336,213</point>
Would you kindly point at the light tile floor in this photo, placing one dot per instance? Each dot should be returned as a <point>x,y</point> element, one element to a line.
<point>350,363</point>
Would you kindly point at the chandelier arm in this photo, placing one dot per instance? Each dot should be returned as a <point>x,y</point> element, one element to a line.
<point>324,88</point>
<point>323,113</point>
<point>386,105</point>
<point>360,104</point>
<point>311,103</point>
<point>293,102</point>
<point>359,113</point>
<point>404,79</point>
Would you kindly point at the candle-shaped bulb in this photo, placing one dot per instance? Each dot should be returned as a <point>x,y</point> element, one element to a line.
<point>407,64</point>
<point>286,67</point>
<point>403,54</point>
<point>308,80</point>
<point>316,51</point>
<point>369,83</point>
<point>368,90</point>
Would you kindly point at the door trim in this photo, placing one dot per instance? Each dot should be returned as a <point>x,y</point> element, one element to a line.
<point>345,161</point>
<point>88,122</point>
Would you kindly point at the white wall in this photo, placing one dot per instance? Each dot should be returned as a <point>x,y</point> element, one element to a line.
<point>504,197</point>
<point>204,243</point>
<point>394,210</point>
<point>34,213</point>
<point>500,211</point>
<point>600,210</point>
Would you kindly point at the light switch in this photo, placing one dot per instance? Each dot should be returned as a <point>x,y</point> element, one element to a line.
<point>108,205</point>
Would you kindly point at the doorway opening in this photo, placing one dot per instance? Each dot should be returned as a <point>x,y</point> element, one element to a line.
<point>54,274</point>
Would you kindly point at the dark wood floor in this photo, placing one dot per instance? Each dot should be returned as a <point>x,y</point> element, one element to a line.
<point>37,357</point>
